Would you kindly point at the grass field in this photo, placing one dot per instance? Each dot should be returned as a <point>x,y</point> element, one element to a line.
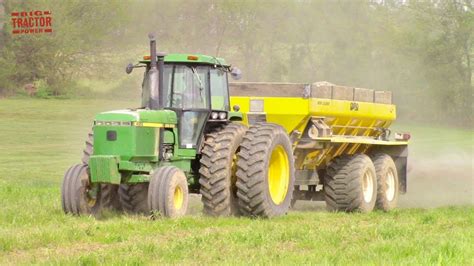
<point>41,138</point>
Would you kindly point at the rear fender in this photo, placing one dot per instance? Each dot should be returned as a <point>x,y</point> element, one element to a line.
<point>235,116</point>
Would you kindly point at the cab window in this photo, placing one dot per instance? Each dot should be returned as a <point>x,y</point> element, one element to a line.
<point>219,92</point>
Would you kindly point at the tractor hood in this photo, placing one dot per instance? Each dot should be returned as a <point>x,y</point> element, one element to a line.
<point>130,134</point>
<point>138,115</point>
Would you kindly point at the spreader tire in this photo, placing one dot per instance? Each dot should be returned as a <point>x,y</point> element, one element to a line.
<point>168,192</point>
<point>218,167</point>
<point>133,198</point>
<point>265,174</point>
<point>78,196</point>
<point>387,180</point>
<point>350,184</point>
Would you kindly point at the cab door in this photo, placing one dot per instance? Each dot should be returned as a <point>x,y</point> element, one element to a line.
<point>188,95</point>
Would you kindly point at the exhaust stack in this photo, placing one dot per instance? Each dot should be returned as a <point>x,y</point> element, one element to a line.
<point>153,76</point>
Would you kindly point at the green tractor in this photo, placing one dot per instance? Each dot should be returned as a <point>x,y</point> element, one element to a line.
<point>183,139</point>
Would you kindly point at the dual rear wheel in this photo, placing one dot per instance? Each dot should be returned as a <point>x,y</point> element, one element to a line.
<point>266,171</point>
<point>247,172</point>
<point>388,188</point>
<point>360,183</point>
<point>218,170</point>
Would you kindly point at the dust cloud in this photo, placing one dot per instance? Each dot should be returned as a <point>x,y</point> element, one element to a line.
<point>440,172</point>
<point>443,179</point>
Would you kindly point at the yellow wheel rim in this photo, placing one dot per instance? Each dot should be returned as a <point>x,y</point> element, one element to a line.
<point>91,202</point>
<point>178,198</point>
<point>278,175</point>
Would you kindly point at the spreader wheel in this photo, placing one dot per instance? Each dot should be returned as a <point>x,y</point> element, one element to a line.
<point>387,180</point>
<point>350,184</point>
<point>168,192</point>
<point>265,174</point>
<point>78,195</point>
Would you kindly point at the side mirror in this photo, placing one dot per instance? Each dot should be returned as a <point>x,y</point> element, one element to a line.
<point>129,68</point>
<point>236,73</point>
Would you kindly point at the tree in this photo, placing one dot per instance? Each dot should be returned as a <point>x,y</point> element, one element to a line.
<point>80,31</point>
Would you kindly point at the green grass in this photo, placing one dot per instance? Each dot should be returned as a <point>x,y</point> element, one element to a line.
<point>437,138</point>
<point>41,138</point>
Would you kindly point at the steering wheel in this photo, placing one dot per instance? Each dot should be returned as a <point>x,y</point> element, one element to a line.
<point>176,101</point>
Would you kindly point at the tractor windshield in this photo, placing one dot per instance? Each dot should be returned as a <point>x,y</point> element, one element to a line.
<point>186,87</point>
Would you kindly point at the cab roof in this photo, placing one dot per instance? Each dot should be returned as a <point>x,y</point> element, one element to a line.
<point>190,58</point>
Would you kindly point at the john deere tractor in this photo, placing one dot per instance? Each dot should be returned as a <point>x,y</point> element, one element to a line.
<point>182,139</point>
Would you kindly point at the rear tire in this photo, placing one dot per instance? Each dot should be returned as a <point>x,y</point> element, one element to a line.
<point>109,198</point>
<point>89,149</point>
<point>168,192</point>
<point>350,184</point>
<point>265,175</point>
<point>133,198</point>
<point>387,180</point>
<point>218,168</point>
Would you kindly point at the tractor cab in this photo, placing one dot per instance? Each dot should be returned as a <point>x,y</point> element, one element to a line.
<point>193,86</point>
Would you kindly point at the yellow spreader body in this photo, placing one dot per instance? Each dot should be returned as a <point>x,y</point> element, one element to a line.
<point>323,121</point>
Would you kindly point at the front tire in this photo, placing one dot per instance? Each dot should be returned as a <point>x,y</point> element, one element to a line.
<point>387,180</point>
<point>218,168</point>
<point>109,192</point>
<point>265,175</point>
<point>350,184</point>
<point>78,195</point>
<point>168,192</point>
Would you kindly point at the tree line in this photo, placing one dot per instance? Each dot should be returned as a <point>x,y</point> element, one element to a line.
<point>420,50</point>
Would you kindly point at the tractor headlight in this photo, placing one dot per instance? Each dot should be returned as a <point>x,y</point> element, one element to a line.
<point>214,115</point>
<point>222,115</point>
<point>98,123</point>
